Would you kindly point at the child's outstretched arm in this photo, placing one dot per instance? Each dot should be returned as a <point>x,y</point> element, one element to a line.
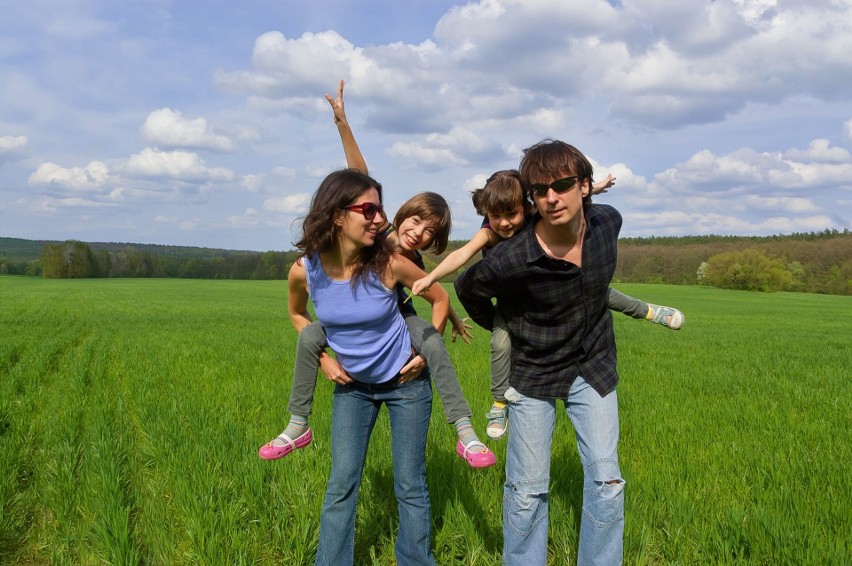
<point>484,237</point>
<point>602,186</point>
<point>354,159</point>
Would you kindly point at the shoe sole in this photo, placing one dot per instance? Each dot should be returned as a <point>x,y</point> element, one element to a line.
<point>497,436</point>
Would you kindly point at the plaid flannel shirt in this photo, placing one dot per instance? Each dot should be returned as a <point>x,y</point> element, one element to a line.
<point>556,312</point>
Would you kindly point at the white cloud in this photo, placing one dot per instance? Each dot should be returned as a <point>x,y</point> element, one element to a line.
<point>287,67</point>
<point>173,164</point>
<point>249,219</point>
<point>284,173</point>
<point>820,151</point>
<point>785,204</point>
<point>252,183</point>
<point>92,176</point>
<point>289,204</point>
<point>10,144</point>
<point>676,223</point>
<point>423,155</point>
<point>46,205</point>
<point>12,148</point>
<point>168,128</point>
<point>191,224</point>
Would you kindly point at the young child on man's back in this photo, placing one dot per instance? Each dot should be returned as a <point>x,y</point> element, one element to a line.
<point>506,209</point>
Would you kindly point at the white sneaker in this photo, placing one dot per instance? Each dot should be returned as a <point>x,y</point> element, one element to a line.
<point>498,423</point>
<point>667,316</point>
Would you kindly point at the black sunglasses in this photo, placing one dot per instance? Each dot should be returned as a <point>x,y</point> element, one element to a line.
<point>560,186</point>
<point>368,209</point>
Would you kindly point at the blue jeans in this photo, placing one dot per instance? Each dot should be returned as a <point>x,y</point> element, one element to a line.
<point>355,409</point>
<point>525,493</point>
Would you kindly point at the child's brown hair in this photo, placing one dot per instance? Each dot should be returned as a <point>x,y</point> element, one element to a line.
<point>430,207</point>
<point>503,193</point>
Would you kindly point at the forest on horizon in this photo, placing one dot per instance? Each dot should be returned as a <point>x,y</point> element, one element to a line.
<point>816,262</point>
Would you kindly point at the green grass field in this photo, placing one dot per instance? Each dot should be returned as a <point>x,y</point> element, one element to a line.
<point>131,412</point>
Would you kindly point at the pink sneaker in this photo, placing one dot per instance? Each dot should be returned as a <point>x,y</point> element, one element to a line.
<point>270,451</point>
<point>476,454</point>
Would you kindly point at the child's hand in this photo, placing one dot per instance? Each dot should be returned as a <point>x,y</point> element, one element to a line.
<point>337,105</point>
<point>461,329</point>
<point>421,285</point>
<point>602,186</point>
<point>412,369</point>
<point>333,371</point>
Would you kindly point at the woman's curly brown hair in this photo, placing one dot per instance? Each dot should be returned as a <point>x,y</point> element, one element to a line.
<point>320,231</point>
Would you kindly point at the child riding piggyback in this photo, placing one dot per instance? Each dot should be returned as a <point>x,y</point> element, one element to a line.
<point>506,208</point>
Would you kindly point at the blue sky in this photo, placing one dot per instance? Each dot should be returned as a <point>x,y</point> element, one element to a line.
<point>204,123</point>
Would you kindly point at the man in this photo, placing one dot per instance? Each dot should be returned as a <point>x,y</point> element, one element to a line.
<point>550,282</point>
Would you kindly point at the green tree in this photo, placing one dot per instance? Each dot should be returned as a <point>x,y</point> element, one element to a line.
<point>747,270</point>
<point>701,273</point>
<point>797,276</point>
<point>103,262</point>
<point>69,260</point>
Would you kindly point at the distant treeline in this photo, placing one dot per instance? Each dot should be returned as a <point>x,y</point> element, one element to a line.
<point>75,259</point>
<point>818,262</point>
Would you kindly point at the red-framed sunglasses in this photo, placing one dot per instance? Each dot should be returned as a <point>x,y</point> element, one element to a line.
<point>368,209</point>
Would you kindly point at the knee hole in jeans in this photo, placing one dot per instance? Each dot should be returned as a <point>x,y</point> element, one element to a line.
<point>528,507</point>
<point>604,505</point>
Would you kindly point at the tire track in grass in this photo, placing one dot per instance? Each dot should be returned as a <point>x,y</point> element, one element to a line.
<point>32,355</point>
<point>62,412</point>
<point>110,507</point>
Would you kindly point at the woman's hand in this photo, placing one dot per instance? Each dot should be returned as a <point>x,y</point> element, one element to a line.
<point>412,369</point>
<point>333,371</point>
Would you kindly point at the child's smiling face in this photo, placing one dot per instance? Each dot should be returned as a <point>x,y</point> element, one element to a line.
<point>414,233</point>
<point>507,224</point>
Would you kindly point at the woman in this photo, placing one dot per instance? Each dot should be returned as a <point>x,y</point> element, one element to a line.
<point>422,222</point>
<point>351,272</point>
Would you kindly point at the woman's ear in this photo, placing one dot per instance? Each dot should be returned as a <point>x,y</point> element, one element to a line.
<point>338,217</point>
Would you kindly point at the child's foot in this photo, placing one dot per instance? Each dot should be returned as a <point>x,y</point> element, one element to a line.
<point>283,445</point>
<point>498,421</point>
<point>476,454</point>
<point>667,316</point>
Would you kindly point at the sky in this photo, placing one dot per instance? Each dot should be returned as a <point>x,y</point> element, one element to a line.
<point>204,122</point>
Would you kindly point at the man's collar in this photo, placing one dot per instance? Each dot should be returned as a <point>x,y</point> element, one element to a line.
<point>534,249</point>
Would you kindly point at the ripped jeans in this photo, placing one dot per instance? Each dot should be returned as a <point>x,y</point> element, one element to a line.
<point>525,493</point>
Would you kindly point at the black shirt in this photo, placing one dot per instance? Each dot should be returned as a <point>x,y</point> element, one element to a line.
<point>556,312</point>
